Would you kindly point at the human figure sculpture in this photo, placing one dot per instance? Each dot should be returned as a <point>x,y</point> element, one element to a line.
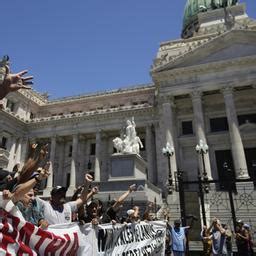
<point>131,143</point>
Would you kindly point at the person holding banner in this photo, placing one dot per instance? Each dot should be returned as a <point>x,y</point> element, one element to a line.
<point>57,211</point>
<point>31,210</point>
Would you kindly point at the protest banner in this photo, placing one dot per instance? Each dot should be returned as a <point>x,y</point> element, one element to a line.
<point>18,237</point>
<point>132,239</point>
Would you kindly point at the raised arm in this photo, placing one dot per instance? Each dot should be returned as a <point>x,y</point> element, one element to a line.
<point>93,191</point>
<point>121,199</point>
<point>33,162</point>
<point>13,82</point>
<point>24,188</point>
<point>83,198</point>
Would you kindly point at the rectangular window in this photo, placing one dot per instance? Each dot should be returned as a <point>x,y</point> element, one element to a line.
<point>70,150</point>
<point>67,180</point>
<point>242,119</point>
<point>4,142</point>
<point>250,154</point>
<point>225,157</point>
<point>93,149</point>
<point>187,127</point>
<point>219,124</point>
<point>10,105</point>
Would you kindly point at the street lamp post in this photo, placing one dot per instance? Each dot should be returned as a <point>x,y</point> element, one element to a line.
<point>201,196</point>
<point>181,197</point>
<point>168,151</point>
<point>202,149</point>
<point>230,186</point>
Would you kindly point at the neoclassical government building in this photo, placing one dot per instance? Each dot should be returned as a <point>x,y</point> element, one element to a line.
<point>203,88</point>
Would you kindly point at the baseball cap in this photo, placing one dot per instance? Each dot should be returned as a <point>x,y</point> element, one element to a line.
<point>130,212</point>
<point>58,189</point>
<point>246,225</point>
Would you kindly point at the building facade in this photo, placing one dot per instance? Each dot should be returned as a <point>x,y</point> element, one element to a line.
<point>204,88</point>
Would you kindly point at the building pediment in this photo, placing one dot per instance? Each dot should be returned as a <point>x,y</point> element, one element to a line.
<point>230,45</point>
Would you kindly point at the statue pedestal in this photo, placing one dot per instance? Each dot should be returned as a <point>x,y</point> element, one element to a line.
<point>127,167</point>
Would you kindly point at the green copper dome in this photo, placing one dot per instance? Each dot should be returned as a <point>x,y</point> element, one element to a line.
<point>193,7</point>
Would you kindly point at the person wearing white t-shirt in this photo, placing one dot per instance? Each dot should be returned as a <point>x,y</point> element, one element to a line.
<point>57,211</point>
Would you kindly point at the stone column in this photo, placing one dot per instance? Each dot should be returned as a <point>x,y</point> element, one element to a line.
<point>200,129</point>
<point>52,157</point>
<point>60,179</point>
<point>149,150</point>
<point>161,175</point>
<point>24,149</point>
<point>11,162</point>
<point>168,126</point>
<point>18,151</point>
<point>72,185</point>
<point>235,136</point>
<point>97,157</point>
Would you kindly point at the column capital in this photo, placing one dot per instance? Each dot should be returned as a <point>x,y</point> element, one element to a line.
<point>74,133</point>
<point>54,137</point>
<point>60,139</point>
<point>167,99</point>
<point>227,90</point>
<point>196,95</point>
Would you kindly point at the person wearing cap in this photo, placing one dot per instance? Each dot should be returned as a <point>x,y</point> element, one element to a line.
<point>178,238</point>
<point>57,211</point>
<point>242,239</point>
<point>130,216</point>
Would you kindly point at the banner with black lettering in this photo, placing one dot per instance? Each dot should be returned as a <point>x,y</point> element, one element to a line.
<point>18,237</point>
<point>132,239</point>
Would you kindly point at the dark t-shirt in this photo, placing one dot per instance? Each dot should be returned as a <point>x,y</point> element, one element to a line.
<point>109,215</point>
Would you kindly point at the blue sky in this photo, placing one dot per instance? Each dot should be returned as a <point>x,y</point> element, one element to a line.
<point>83,46</point>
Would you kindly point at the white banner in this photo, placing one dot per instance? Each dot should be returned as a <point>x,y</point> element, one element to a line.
<point>132,239</point>
<point>18,237</point>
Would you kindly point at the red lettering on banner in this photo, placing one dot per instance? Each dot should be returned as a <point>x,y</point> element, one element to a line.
<point>43,235</point>
<point>63,251</point>
<point>75,245</point>
<point>26,231</point>
<point>17,236</point>
<point>55,245</point>
<point>10,238</point>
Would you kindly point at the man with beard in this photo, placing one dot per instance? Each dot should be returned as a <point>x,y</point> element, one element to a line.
<point>57,211</point>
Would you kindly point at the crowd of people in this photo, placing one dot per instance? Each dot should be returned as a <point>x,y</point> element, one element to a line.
<point>216,239</point>
<point>21,187</point>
